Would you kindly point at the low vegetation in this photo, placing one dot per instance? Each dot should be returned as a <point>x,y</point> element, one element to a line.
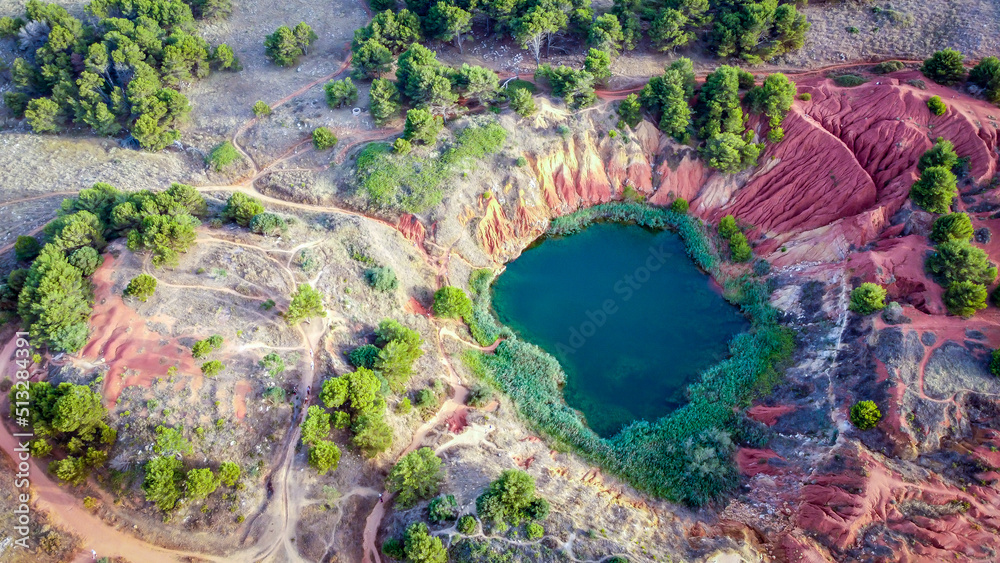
<point>867,298</point>
<point>414,183</point>
<point>865,415</point>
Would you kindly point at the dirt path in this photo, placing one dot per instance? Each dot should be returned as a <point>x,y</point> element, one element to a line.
<point>457,400</point>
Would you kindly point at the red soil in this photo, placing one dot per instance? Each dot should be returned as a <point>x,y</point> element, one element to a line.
<point>414,306</point>
<point>240,398</point>
<point>753,462</point>
<point>120,338</point>
<point>458,420</point>
<point>412,229</point>
<point>769,415</point>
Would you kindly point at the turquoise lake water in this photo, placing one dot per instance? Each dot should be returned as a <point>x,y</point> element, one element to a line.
<point>626,312</point>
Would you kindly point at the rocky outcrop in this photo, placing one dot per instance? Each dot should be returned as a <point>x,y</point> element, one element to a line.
<point>411,228</point>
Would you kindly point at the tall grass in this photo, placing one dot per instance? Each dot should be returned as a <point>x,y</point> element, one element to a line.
<point>685,456</point>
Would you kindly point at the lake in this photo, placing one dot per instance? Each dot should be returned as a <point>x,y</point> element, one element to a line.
<point>626,312</point>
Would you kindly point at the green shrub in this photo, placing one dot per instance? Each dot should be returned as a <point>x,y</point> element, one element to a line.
<point>521,162</point>
<point>340,93</point>
<point>936,106</point>
<point>242,208</point>
<point>964,298</point>
<point>986,75</point>
<point>401,146</point>
<point>953,226</point>
<point>739,248</point>
<point>935,189</point>
<point>306,303</point>
<point>163,474</point>
<point>630,110</point>
<point>416,476</point>
<point>422,126</point>
<point>479,395</point>
<point>467,525</point>
<point>222,156</point>
<point>727,227</point>
<point>957,260</point>
<point>273,363</point>
<point>200,483</point>
<point>393,547</point>
<point>995,363</point>
<point>382,278</point>
<point>511,499</point>
<point>886,67</point>
<point>942,154</point>
<point>203,348</point>
<point>229,473</point>
<point>421,547</point>
<point>945,67</point>
<point>261,109</point>
<point>849,80</point>
<point>867,298</point>
<point>776,135</point>
<point>679,205</point>
<point>413,183</point>
<point>26,248</point>
<point>141,287</point>
<point>443,508</point>
<point>364,356</point>
<point>323,138</point>
<point>324,456</point>
<point>805,97</point>
<point>268,224</point>
<point>285,45</point>
<point>404,407</point>
<point>534,531</point>
<point>451,302</point>
<point>212,368</point>
<point>865,415</point>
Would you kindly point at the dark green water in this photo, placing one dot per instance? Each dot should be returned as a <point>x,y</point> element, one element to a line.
<point>627,314</point>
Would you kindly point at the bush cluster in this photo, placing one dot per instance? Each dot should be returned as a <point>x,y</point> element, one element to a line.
<point>53,295</point>
<point>867,298</point>
<point>937,186</point>
<point>67,418</point>
<point>285,45</point>
<point>118,70</point>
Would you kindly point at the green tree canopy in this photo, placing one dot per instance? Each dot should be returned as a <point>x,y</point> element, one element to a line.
<point>986,75</point>
<point>865,415</point>
<point>941,154</point>
<point>935,190</point>
<point>340,93</point>
<point>421,547</point>
<point>867,298</point>
<point>200,483</point>
<point>384,100</point>
<point>964,298</point>
<point>163,474</point>
<point>141,287</point>
<point>452,302</point>
<point>416,476</point>
<point>324,456</point>
<point>953,226</point>
<point>285,45</point>
<point>422,127</point>
<point>306,303</point>
<point>241,208</point>
<point>957,260</point>
<point>945,67</point>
